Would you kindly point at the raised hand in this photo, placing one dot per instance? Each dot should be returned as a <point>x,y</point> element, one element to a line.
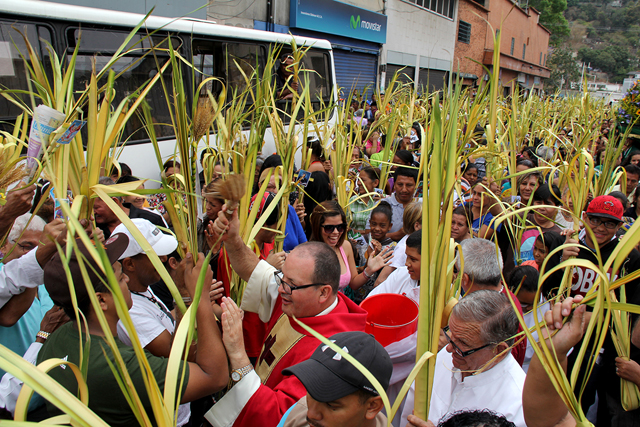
<point>277,259</point>
<point>569,333</point>
<point>232,336</point>
<point>381,260</point>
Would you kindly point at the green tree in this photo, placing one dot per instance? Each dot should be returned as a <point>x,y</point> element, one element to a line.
<point>564,68</point>
<point>611,59</point>
<point>552,17</point>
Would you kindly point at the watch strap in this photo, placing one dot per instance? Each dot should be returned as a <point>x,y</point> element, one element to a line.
<point>244,371</point>
<point>42,334</point>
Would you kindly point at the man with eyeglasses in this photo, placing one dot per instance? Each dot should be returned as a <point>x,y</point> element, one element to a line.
<point>482,270</point>
<point>476,370</point>
<point>307,288</point>
<point>20,317</point>
<point>604,217</point>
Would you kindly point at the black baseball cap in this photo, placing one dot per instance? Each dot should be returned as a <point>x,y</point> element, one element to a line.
<point>55,277</point>
<point>328,376</point>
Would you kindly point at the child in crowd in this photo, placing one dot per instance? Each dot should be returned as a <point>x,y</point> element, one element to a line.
<point>380,224</point>
<point>403,281</point>
<point>545,244</point>
<point>546,200</point>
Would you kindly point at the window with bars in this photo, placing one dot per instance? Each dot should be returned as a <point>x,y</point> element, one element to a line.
<point>524,50</point>
<point>442,7</point>
<point>464,32</point>
<point>513,45</point>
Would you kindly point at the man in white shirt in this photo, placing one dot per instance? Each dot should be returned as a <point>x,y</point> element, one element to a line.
<point>153,321</point>
<point>27,271</point>
<point>475,370</point>
<point>403,281</point>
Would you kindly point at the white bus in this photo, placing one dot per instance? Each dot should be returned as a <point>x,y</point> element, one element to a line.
<point>212,48</point>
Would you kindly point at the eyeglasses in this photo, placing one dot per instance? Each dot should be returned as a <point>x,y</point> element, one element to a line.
<point>328,228</point>
<point>288,287</point>
<point>26,246</point>
<point>457,349</point>
<point>595,222</point>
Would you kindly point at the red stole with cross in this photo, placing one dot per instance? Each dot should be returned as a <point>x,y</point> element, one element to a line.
<point>287,343</point>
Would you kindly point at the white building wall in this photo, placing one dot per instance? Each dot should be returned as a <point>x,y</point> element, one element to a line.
<point>418,37</point>
<point>373,5</point>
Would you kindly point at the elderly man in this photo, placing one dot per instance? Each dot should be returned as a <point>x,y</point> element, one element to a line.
<point>307,288</point>
<point>482,270</point>
<point>475,370</point>
<point>20,317</point>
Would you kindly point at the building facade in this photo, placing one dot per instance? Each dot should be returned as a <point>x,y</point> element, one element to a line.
<point>524,43</point>
<point>420,41</point>
<point>192,8</point>
<point>470,42</point>
<point>371,39</point>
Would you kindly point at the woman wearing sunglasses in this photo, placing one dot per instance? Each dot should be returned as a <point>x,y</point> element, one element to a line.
<point>329,225</point>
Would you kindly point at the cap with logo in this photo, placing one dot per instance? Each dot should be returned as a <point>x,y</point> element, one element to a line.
<point>327,376</point>
<point>162,244</point>
<point>606,207</point>
<point>55,277</point>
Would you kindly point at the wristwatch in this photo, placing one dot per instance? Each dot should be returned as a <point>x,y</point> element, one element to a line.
<point>238,374</point>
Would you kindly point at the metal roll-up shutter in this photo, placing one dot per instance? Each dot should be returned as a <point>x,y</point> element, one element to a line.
<point>435,79</point>
<point>355,71</point>
<point>405,74</point>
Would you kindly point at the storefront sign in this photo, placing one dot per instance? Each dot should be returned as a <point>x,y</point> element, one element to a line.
<point>341,19</point>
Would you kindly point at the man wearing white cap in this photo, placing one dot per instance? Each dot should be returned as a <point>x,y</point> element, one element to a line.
<point>152,319</point>
<point>154,323</point>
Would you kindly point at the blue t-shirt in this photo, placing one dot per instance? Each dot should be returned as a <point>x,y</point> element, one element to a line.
<point>294,233</point>
<point>20,336</point>
<point>485,219</point>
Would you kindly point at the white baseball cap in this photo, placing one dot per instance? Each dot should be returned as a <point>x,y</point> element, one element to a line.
<point>162,244</point>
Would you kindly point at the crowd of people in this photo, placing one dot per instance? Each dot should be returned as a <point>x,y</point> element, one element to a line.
<point>255,364</point>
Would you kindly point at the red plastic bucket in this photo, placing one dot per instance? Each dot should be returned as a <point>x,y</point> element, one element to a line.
<point>390,317</point>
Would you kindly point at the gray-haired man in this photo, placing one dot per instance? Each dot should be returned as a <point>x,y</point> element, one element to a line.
<point>475,370</point>
<point>482,271</point>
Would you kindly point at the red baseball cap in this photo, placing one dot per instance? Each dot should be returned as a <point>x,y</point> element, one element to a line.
<point>606,207</point>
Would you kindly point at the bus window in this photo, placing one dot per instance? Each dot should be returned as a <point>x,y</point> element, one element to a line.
<point>317,62</point>
<point>242,58</point>
<point>226,62</point>
<point>12,69</point>
<point>135,69</point>
<point>314,72</point>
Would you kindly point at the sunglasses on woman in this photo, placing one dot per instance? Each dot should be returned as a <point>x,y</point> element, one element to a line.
<point>328,228</point>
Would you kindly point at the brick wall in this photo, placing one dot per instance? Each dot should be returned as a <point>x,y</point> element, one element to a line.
<point>466,53</point>
<point>520,26</point>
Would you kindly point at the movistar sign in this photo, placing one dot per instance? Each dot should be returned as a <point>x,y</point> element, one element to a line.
<point>355,23</point>
<point>337,18</point>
